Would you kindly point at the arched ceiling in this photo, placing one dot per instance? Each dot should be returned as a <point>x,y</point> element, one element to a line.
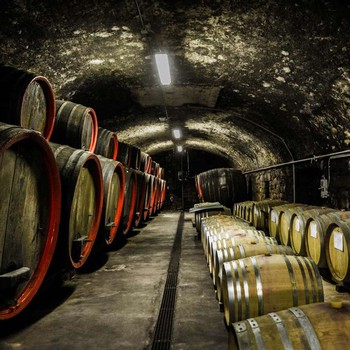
<point>246,75</point>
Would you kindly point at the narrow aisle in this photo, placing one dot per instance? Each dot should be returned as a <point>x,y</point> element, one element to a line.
<point>113,307</point>
<point>198,322</point>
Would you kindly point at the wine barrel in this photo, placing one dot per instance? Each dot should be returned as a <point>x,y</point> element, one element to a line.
<point>129,200</point>
<point>163,194</point>
<point>82,203</point>
<point>27,100</point>
<point>285,221</point>
<point>261,284</point>
<point>135,154</point>
<point>146,163</point>
<point>152,195</point>
<point>239,237</point>
<point>113,199</point>
<point>75,125</point>
<point>274,218</point>
<point>155,167</point>
<point>261,210</point>
<point>124,153</point>
<point>243,250</point>
<point>338,246</point>
<point>314,326</point>
<point>107,144</point>
<point>316,229</point>
<point>141,197</point>
<point>30,206</point>
<point>298,228</point>
<point>149,191</point>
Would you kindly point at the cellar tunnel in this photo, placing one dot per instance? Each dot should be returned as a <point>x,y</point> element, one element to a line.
<point>258,86</point>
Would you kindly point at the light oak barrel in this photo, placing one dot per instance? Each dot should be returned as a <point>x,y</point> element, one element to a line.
<point>285,221</point>
<point>261,284</point>
<point>30,207</point>
<point>298,228</point>
<point>338,246</point>
<point>315,326</point>
<point>243,250</point>
<point>274,218</point>
<point>82,204</point>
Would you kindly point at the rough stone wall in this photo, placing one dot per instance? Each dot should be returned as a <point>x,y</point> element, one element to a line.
<point>274,184</point>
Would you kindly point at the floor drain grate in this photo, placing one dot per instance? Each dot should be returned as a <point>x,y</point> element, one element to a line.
<point>163,330</point>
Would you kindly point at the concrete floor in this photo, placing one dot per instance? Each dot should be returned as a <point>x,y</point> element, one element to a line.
<point>115,305</point>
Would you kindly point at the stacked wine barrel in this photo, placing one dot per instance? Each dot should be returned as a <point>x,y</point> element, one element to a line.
<point>67,187</point>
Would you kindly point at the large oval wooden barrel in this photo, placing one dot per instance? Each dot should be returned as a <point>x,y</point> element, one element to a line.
<point>149,191</point>
<point>152,195</point>
<point>129,200</point>
<point>30,206</point>
<point>261,210</point>
<point>316,229</point>
<point>285,221</point>
<point>82,202</point>
<point>338,246</point>
<point>307,327</point>
<point>27,100</point>
<point>298,226</point>
<point>113,199</point>
<point>107,144</point>
<point>155,167</point>
<point>141,197</point>
<point>75,125</point>
<point>261,284</point>
<point>243,250</point>
<point>163,194</point>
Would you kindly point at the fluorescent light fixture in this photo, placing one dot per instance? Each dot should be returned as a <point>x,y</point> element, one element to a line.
<point>163,68</point>
<point>180,148</point>
<point>177,133</point>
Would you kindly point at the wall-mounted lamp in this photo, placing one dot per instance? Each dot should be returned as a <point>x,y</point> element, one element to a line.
<point>177,133</point>
<point>163,68</point>
<point>180,148</point>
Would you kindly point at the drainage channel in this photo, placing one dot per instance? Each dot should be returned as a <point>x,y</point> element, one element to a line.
<point>164,326</point>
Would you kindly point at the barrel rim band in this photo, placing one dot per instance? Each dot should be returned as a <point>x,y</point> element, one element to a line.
<point>245,288</point>
<point>319,280</point>
<point>306,285</point>
<point>292,280</point>
<point>281,331</point>
<point>259,287</point>
<point>309,331</point>
<point>257,333</point>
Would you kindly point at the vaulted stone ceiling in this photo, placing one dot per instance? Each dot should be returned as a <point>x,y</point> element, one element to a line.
<point>247,75</point>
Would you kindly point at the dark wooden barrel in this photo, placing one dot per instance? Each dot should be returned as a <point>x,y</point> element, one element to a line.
<point>314,326</point>
<point>124,153</point>
<point>113,199</point>
<point>224,185</point>
<point>135,154</point>
<point>146,163</point>
<point>107,144</point>
<point>82,203</point>
<point>130,195</point>
<point>148,198</point>
<point>30,207</point>
<point>154,205</point>
<point>261,284</point>
<point>162,194</point>
<point>27,100</point>
<point>141,197</point>
<point>75,125</point>
<point>152,195</point>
